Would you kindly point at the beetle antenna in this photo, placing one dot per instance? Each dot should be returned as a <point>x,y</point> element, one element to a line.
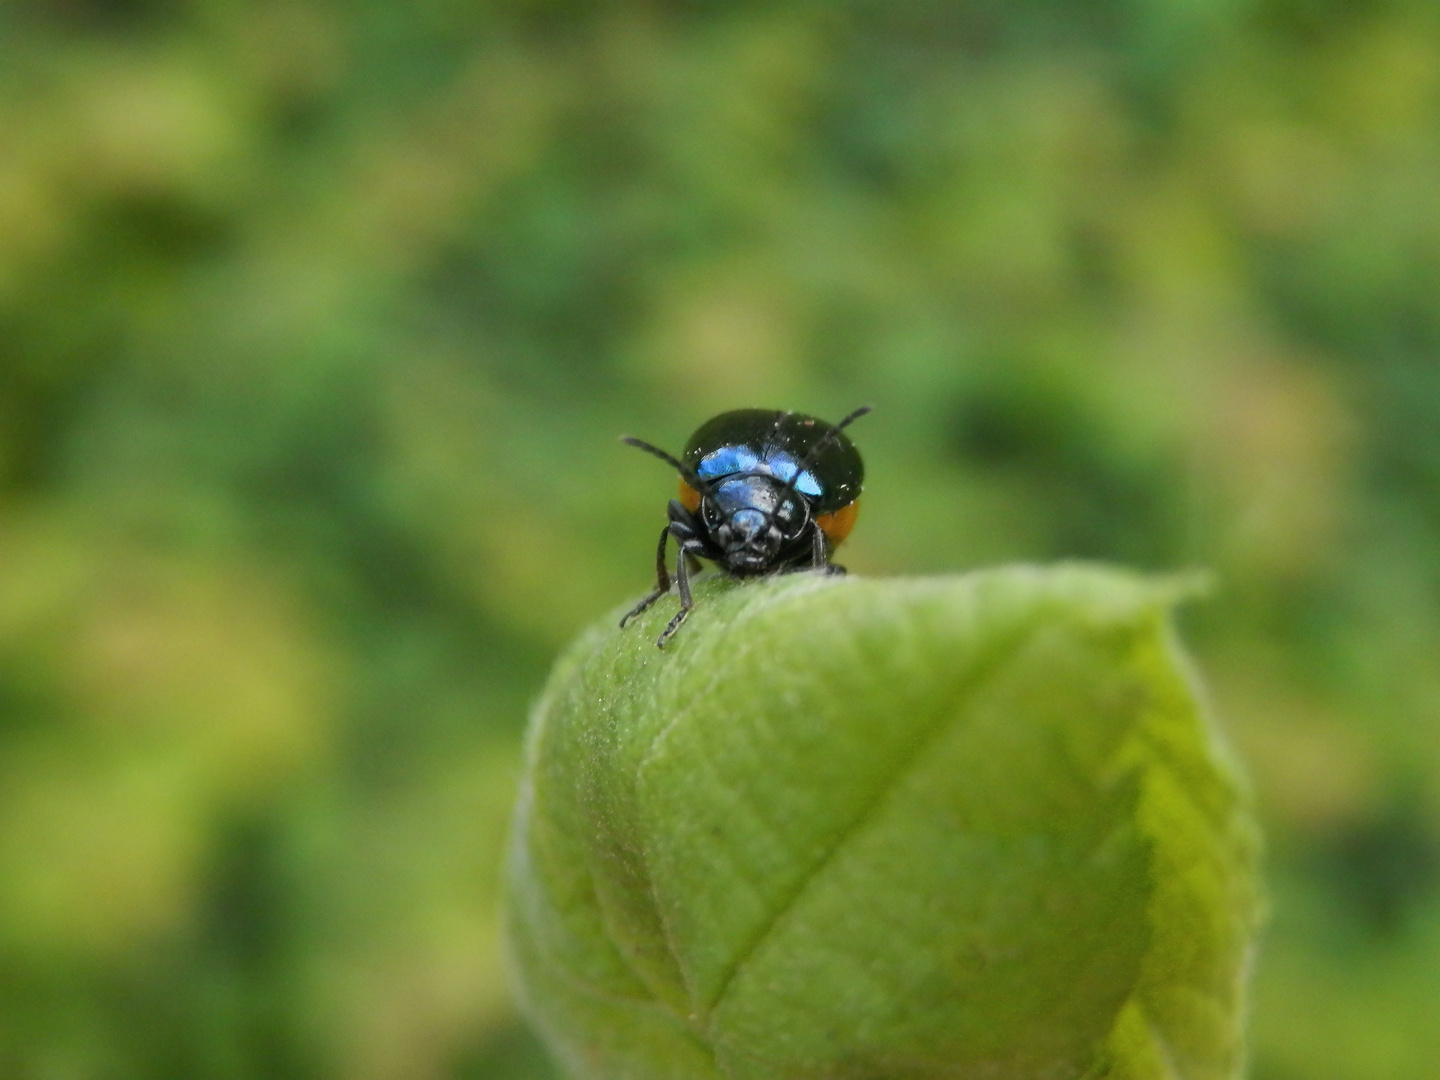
<point>824,441</point>
<point>674,462</point>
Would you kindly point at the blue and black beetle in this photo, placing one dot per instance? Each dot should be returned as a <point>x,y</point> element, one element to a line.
<point>761,491</point>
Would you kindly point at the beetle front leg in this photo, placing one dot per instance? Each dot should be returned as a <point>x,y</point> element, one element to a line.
<point>821,557</point>
<point>687,602</point>
<point>689,535</point>
<point>662,580</point>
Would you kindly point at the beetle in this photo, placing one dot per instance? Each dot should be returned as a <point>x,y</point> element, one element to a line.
<point>762,491</point>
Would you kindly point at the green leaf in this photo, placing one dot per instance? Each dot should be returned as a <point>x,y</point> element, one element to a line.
<point>969,826</point>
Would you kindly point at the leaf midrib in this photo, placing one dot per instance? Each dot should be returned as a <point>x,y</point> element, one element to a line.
<point>1001,653</point>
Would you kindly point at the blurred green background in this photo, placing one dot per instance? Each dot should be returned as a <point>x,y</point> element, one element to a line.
<point>318,323</point>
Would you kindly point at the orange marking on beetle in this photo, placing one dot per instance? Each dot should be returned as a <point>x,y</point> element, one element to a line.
<point>837,524</point>
<point>689,497</point>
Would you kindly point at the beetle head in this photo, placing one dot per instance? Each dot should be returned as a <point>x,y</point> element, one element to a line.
<point>750,518</point>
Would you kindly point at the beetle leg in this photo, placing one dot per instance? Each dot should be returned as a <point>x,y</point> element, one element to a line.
<point>683,521</point>
<point>686,531</point>
<point>662,580</point>
<point>822,555</point>
<point>682,579</point>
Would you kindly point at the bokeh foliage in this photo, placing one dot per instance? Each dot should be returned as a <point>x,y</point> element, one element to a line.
<point>318,322</point>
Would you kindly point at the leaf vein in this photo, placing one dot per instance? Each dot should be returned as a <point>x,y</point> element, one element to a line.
<point>988,666</point>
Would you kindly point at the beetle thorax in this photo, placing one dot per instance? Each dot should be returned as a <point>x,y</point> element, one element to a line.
<point>751,518</point>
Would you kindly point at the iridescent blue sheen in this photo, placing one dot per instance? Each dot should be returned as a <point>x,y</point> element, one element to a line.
<point>783,467</point>
<point>727,460</point>
<point>778,463</point>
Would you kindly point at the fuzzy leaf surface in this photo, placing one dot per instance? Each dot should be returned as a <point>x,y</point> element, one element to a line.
<point>972,826</point>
